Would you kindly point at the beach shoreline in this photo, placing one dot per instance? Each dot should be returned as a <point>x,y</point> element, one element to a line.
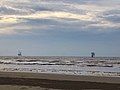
<point>59,81</point>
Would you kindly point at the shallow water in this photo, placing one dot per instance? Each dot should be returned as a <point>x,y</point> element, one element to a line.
<point>108,66</point>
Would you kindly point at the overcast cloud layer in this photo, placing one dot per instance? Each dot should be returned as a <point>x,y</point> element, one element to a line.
<point>60,27</point>
<point>25,16</point>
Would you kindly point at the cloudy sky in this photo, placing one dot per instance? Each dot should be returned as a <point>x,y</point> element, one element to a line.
<point>60,27</point>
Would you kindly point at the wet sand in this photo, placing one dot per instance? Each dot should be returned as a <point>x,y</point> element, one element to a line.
<point>57,81</point>
<point>19,87</point>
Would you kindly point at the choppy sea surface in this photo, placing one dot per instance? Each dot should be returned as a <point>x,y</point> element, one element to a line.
<point>98,66</point>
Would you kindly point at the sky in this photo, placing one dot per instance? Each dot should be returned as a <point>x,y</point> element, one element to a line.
<point>60,27</point>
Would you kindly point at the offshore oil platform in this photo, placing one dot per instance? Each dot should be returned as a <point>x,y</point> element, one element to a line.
<point>19,53</point>
<point>92,54</point>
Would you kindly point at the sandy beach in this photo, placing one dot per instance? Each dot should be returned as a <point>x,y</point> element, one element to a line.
<point>57,81</point>
<point>59,73</point>
<point>19,87</point>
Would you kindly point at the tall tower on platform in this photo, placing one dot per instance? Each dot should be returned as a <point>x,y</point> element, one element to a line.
<point>92,54</point>
<point>19,53</point>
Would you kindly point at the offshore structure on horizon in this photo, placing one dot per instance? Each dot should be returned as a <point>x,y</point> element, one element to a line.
<point>19,53</point>
<point>92,54</point>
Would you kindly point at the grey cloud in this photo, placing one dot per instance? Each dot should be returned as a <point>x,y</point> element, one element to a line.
<point>44,5</point>
<point>70,11</point>
<point>112,16</point>
<point>5,10</point>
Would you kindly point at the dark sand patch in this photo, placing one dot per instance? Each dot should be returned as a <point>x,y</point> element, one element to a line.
<point>19,87</point>
<point>38,84</point>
